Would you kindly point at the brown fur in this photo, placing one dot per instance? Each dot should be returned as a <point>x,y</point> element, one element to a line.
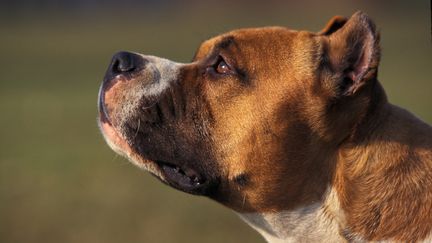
<point>384,176</point>
<point>303,113</point>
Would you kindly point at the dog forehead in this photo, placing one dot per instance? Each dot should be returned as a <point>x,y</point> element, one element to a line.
<point>245,38</point>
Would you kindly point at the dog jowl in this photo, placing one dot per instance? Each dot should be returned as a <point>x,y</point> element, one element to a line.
<point>291,129</point>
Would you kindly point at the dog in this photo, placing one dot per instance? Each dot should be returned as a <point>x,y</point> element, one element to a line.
<point>291,129</point>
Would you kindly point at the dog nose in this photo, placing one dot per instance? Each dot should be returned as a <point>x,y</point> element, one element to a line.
<point>126,62</point>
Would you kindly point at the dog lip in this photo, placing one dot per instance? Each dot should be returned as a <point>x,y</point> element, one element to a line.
<point>182,178</point>
<point>108,130</point>
<point>101,105</point>
<point>108,82</point>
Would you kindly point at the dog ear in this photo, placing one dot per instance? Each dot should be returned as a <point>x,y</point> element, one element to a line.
<point>333,24</point>
<point>353,51</point>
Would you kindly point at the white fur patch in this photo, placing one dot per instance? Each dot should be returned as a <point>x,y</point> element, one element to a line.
<point>318,222</point>
<point>305,224</point>
<point>154,79</point>
<point>428,238</point>
<point>168,71</point>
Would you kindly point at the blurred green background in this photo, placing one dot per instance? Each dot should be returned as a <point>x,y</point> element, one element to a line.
<point>59,182</point>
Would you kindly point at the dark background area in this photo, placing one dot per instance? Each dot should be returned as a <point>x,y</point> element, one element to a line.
<point>59,182</point>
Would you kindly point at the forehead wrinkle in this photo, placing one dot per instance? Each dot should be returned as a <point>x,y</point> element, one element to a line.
<point>222,45</point>
<point>209,47</point>
<point>226,42</point>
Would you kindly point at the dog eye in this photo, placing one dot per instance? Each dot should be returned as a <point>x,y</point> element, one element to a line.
<point>222,67</point>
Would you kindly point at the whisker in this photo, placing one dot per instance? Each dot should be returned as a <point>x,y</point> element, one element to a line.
<point>154,103</point>
<point>150,106</point>
<point>137,130</point>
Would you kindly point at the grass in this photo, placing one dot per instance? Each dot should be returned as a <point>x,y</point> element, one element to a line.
<point>59,182</point>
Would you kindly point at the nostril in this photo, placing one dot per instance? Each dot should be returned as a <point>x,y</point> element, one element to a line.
<point>123,62</point>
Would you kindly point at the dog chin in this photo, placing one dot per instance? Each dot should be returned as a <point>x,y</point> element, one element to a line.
<point>181,178</point>
<point>121,146</point>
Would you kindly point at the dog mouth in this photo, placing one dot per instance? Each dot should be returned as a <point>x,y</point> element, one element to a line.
<point>178,175</point>
<point>182,177</point>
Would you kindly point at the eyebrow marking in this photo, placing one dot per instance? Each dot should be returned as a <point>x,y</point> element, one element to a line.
<point>226,42</point>
<point>223,44</point>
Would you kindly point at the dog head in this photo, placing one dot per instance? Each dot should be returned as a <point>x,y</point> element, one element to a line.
<point>250,119</point>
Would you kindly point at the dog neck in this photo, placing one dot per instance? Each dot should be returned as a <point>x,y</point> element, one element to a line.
<point>387,162</point>
<point>367,178</point>
<point>317,222</point>
<point>320,221</point>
